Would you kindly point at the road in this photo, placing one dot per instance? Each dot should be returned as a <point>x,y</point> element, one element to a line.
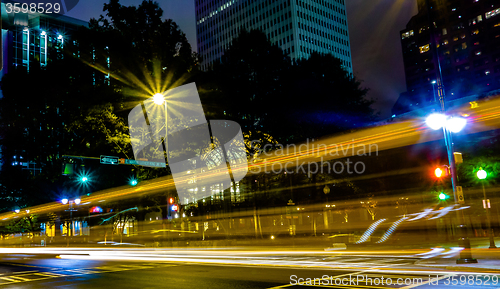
<point>221,269</point>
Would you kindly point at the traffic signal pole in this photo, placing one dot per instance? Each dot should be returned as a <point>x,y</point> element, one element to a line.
<point>464,242</point>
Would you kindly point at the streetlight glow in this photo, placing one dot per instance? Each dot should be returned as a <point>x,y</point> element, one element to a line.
<point>438,172</point>
<point>436,121</point>
<point>158,98</point>
<point>77,201</point>
<point>64,201</point>
<point>481,174</point>
<point>456,124</point>
<point>17,211</point>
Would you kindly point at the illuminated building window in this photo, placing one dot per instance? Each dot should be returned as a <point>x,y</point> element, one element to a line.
<point>445,31</point>
<point>445,42</point>
<point>475,32</point>
<point>476,43</point>
<point>497,25</point>
<point>455,38</point>
<point>478,52</point>
<point>487,72</point>
<point>407,34</point>
<point>424,48</point>
<point>492,13</point>
<point>464,45</point>
<point>462,36</point>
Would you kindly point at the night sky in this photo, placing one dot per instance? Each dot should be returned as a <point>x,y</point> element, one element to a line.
<point>374,27</point>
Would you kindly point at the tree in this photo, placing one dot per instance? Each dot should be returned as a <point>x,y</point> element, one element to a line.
<point>28,224</point>
<point>122,58</point>
<point>257,85</point>
<point>248,79</point>
<point>320,98</point>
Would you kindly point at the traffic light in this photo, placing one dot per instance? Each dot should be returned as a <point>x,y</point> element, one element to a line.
<point>133,181</point>
<point>438,172</point>
<point>443,196</point>
<point>441,171</point>
<point>481,174</point>
<point>171,200</point>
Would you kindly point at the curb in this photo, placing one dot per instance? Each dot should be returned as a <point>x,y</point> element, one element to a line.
<point>460,268</point>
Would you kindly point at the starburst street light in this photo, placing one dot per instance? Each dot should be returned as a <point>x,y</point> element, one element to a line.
<point>453,124</point>
<point>84,179</point>
<point>158,98</point>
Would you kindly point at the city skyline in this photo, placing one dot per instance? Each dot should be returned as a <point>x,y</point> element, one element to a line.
<point>374,31</point>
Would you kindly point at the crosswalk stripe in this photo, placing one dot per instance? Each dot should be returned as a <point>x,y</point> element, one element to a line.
<point>9,279</point>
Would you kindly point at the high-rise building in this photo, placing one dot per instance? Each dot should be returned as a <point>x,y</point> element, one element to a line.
<point>27,37</point>
<point>299,27</point>
<point>467,39</point>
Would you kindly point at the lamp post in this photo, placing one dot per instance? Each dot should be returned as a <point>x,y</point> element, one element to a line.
<point>70,226</point>
<point>159,99</point>
<point>481,174</point>
<point>433,90</point>
<point>453,125</point>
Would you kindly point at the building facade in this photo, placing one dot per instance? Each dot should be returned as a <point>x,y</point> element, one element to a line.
<point>26,42</point>
<point>27,37</point>
<point>299,27</point>
<point>467,40</point>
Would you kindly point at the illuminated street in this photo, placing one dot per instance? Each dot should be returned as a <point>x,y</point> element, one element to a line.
<point>190,269</point>
<point>250,144</point>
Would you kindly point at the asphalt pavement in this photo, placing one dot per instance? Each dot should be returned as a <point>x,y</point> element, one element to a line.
<point>260,270</point>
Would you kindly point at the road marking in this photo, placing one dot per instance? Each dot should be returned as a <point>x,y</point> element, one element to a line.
<point>439,278</point>
<point>76,272</point>
<point>9,279</point>
<point>337,276</point>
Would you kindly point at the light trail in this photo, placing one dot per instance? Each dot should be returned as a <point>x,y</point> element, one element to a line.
<point>482,116</point>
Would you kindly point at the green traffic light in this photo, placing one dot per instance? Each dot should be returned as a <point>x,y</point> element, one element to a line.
<point>84,179</point>
<point>133,182</point>
<point>443,196</point>
<point>481,174</point>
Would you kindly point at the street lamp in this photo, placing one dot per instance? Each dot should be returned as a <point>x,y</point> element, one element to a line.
<point>159,99</point>
<point>481,174</point>
<point>452,125</point>
<point>65,201</point>
<point>433,90</point>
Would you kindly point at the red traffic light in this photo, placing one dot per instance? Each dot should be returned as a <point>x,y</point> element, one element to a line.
<point>171,200</point>
<point>441,171</point>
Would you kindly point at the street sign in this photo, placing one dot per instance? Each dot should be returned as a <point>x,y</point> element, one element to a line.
<point>460,195</point>
<point>145,163</point>
<point>109,160</point>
